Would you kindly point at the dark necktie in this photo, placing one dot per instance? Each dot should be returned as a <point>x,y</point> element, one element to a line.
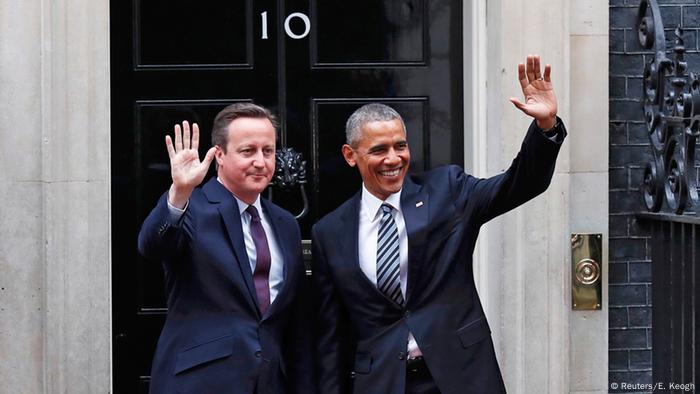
<point>388,272</point>
<point>262,261</point>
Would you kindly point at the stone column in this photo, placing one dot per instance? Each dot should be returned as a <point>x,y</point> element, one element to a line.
<point>22,251</point>
<point>528,247</point>
<point>55,274</point>
<point>523,260</point>
<point>588,211</point>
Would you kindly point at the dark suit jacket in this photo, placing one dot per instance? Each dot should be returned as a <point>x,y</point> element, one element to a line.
<point>362,331</point>
<point>214,339</point>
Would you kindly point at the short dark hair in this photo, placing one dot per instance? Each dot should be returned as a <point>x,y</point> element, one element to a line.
<point>219,131</point>
<point>371,112</point>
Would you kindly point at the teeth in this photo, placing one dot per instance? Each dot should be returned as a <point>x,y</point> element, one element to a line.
<point>390,173</point>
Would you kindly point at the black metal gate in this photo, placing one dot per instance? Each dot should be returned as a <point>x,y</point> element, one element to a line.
<point>675,298</point>
<point>671,102</point>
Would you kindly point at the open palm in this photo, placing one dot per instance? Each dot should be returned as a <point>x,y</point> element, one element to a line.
<point>186,169</point>
<point>540,101</point>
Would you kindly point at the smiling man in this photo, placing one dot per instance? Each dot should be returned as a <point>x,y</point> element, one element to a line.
<point>377,146</point>
<point>398,311</point>
<point>233,268</point>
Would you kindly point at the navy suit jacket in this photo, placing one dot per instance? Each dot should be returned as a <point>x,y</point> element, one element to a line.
<point>215,340</point>
<point>362,335</point>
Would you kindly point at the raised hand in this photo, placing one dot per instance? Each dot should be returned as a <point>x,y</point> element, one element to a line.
<point>185,168</point>
<point>540,101</point>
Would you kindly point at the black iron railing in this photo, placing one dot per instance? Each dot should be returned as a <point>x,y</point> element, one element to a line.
<point>675,255</point>
<point>671,103</point>
<point>672,113</point>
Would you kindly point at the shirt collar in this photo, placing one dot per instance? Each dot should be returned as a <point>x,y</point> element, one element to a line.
<point>372,204</point>
<point>242,206</point>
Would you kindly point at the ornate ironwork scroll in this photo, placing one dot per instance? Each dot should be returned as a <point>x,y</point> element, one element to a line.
<point>290,171</point>
<point>671,102</point>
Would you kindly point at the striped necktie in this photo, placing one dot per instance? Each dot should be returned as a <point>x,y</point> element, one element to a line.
<point>388,273</point>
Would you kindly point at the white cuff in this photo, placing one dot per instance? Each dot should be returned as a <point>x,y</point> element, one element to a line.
<point>175,212</point>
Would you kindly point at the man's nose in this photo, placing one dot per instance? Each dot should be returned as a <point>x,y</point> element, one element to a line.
<point>259,160</point>
<point>392,157</point>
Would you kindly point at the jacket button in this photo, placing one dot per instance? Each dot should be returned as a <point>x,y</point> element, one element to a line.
<point>402,356</point>
<point>407,313</point>
<point>258,353</point>
<point>352,374</point>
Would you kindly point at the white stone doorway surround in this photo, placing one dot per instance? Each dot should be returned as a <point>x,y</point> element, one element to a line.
<point>523,258</point>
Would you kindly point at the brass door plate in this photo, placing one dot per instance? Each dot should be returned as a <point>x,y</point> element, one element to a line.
<point>586,271</point>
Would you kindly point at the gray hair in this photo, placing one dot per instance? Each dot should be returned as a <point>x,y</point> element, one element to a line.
<point>372,112</point>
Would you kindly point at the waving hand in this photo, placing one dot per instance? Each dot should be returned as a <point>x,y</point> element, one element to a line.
<point>540,101</point>
<point>185,168</point>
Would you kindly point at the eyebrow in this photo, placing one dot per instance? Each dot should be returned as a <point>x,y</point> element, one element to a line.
<point>379,146</point>
<point>253,146</point>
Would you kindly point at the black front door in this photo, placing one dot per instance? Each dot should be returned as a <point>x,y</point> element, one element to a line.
<point>311,62</point>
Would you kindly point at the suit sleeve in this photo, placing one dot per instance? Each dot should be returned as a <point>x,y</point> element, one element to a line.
<point>299,347</point>
<point>160,237</point>
<point>529,175</point>
<point>332,373</point>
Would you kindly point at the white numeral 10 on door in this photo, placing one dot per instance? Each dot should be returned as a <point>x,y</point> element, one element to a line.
<point>287,28</point>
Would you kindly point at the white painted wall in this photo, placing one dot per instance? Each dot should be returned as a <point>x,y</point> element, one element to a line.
<point>523,258</point>
<point>588,212</point>
<point>55,274</point>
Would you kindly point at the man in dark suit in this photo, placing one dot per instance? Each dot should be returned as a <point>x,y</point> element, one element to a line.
<point>398,308</point>
<point>233,267</point>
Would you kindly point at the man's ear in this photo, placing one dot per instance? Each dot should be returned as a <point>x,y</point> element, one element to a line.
<point>219,155</point>
<point>349,155</point>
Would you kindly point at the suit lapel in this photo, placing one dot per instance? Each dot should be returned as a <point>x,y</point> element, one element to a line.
<point>415,206</point>
<point>351,216</point>
<point>228,209</point>
<point>348,235</point>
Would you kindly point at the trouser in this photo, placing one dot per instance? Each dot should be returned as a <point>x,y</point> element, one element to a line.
<point>418,378</point>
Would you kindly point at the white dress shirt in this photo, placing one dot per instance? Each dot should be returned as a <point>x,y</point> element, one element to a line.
<point>370,217</point>
<point>276,260</point>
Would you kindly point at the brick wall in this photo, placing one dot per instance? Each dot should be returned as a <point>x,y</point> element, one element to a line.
<point>630,254</point>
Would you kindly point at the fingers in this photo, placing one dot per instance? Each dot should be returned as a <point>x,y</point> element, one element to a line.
<point>517,102</point>
<point>530,68</point>
<point>169,146</point>
<point>533,71</point>
<point>178,138</point>
<point>186,134</point>
<point>182,138</point>
<point>209,156</point>
<point>195,136</point>
<point>521,76</point>
<point>547,73</point>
